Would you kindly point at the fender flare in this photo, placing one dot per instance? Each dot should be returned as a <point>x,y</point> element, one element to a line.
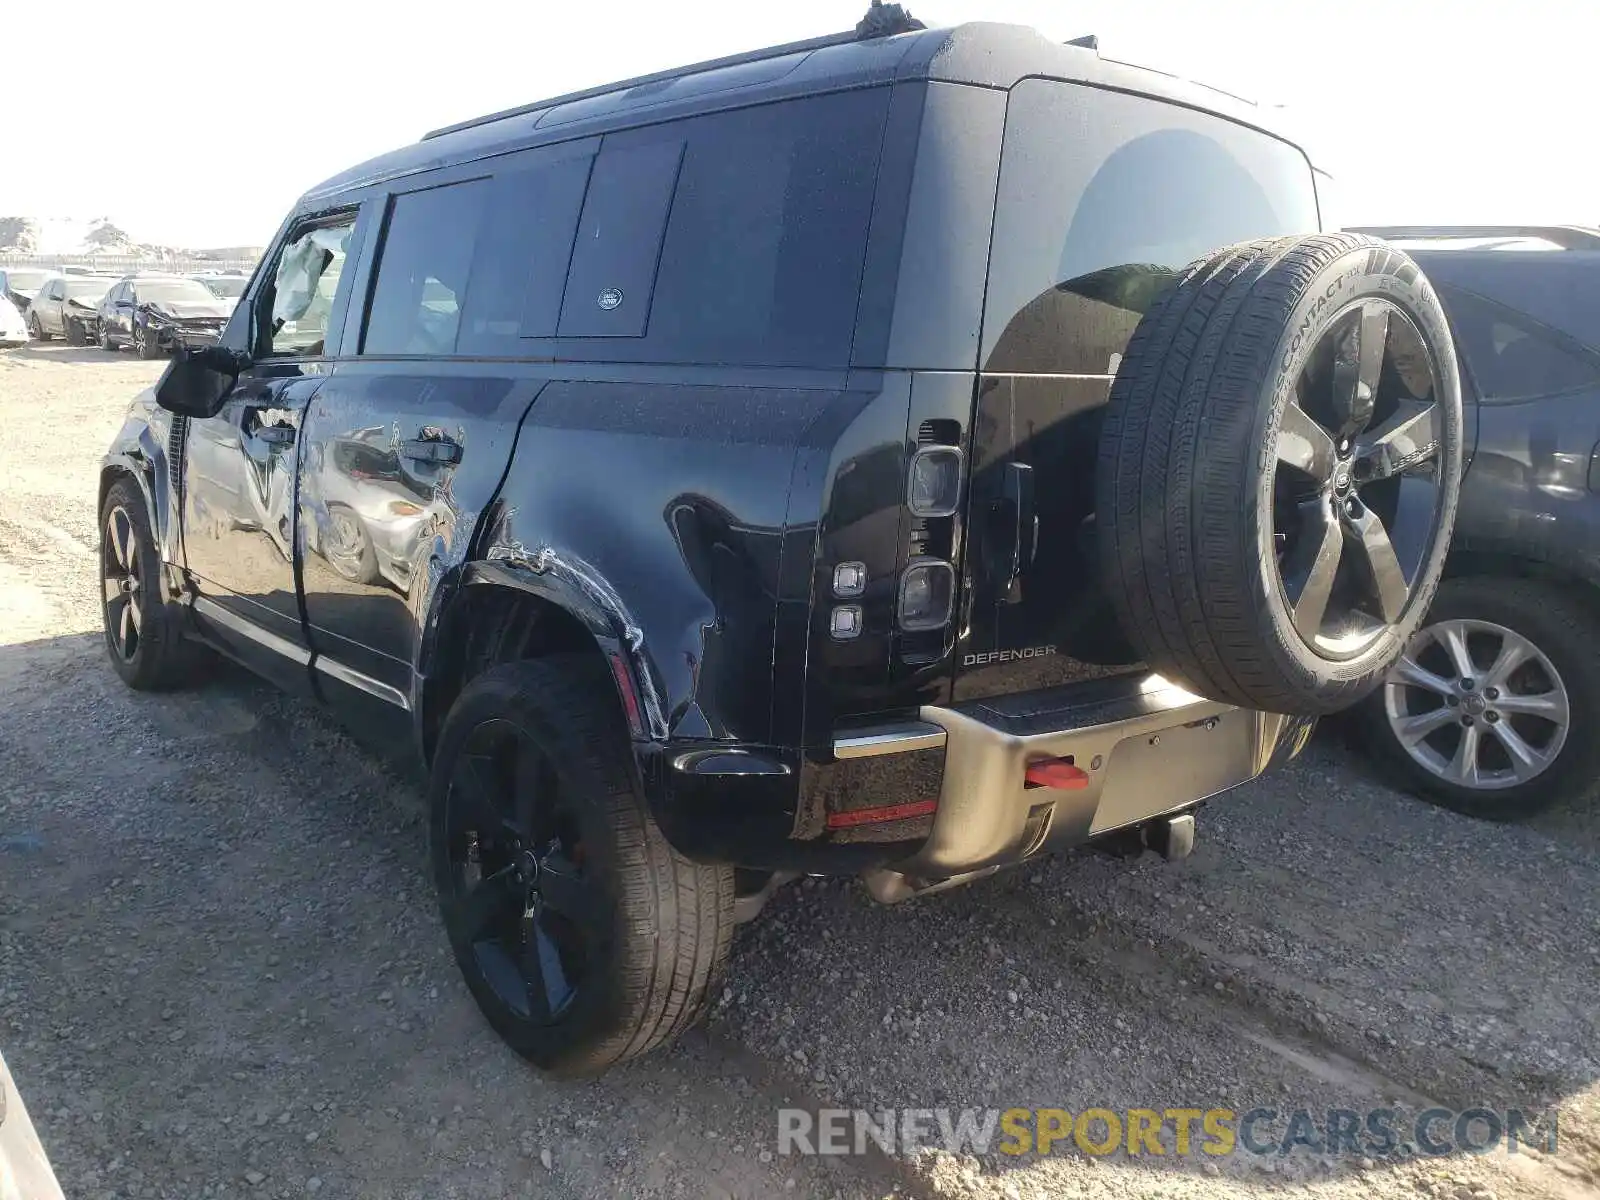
<point>119,464</point>
<point>580,594</point>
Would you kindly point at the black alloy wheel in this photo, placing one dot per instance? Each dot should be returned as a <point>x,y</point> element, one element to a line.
<point>121,571</point>
<point>1357,495</point>
<point>520,899</point>
<point>583,935</point>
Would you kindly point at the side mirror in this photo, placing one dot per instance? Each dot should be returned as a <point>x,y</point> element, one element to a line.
<point>197,381</point>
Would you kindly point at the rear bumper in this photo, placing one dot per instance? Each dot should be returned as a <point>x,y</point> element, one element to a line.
<point>1146,748</point>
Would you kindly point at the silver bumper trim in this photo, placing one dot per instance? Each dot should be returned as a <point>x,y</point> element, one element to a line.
<point>899,738</point>
<point>1162,760</point>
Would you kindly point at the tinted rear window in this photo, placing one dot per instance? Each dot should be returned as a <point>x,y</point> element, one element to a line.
<point>1103,198</point>
<point>1510,355</point>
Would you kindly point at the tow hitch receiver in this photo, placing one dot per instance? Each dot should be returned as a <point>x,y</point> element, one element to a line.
<point>1171,837</point>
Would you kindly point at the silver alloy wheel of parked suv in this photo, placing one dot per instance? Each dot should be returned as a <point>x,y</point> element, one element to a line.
<point>1492,709</point>
<point>1489,710</point>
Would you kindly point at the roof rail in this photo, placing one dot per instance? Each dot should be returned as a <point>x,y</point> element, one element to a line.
<point>882,20</point>
<point>1568,237</point>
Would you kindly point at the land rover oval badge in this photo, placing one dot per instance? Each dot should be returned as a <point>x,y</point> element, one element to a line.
<point>609,299</point>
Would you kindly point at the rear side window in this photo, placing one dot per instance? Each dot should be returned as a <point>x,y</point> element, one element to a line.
<point>520,266</point>
<point>1103,199</point>
<point>619,240</point>
<point>745,235</point>
<point>423,270</point>
<point>1511,355</point>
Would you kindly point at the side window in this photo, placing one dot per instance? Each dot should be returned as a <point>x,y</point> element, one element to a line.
<point>423,270</point>
<point>735,237</point>
<point>519,269</point>
<point>1511,355</point>
<point>619,241</point>
<point>293,312</point>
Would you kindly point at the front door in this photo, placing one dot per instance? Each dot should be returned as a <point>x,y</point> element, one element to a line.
<point>241,465</point>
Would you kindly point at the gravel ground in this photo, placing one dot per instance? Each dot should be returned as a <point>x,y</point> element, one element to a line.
<point>220,971</point>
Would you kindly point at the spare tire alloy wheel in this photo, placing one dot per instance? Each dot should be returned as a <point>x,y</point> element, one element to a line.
<point>1279,471</point>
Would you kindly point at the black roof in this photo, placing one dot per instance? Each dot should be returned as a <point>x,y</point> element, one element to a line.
<point>983,54</point>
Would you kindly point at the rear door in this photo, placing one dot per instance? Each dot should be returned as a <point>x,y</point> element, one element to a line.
<point>1103,198</point>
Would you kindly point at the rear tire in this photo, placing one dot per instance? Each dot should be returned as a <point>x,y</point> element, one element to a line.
<point>1286,422</point>
<point>623,957</point>
<point>36,327</point>
<point>107,342</point>
<point>1560,679</point>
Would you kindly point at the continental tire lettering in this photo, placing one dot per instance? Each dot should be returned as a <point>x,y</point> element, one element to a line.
<point>1004,656</point>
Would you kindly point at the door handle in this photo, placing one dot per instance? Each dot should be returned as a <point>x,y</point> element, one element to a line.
<point>274,435</point>
<point>439,451</point>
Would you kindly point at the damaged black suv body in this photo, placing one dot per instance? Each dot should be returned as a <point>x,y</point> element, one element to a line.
<point>845,458</point>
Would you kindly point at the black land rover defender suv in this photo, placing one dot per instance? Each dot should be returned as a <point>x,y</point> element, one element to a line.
<point>819,460</point>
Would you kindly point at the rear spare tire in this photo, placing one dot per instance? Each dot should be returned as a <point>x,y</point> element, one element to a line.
<point>1279,468</point>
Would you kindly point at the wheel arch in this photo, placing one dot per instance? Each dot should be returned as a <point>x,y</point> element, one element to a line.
<point>500,611</point>
<point>142,472</point>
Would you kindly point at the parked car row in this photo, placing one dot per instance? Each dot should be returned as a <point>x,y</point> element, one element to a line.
<point>151,312</point>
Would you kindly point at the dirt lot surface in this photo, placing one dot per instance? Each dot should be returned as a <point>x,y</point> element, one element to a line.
<point>221,973</point>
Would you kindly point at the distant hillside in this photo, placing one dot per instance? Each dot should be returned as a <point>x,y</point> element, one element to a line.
<point>66,237</point>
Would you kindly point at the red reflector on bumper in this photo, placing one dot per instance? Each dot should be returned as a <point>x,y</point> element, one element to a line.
<point>891,812</point>
<point>1057,773</point>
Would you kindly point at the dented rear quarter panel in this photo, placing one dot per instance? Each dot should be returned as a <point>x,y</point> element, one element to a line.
<point>662,510</point>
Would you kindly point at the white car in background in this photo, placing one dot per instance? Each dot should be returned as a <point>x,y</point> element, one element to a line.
<point>13,329</point>
<point>25,1172</point>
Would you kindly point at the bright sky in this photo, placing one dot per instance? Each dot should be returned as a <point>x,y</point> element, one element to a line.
<point>198,122</point>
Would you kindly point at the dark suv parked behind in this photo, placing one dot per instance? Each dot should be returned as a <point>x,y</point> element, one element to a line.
<point>157,314</point>
<point>1495,710</point>
<point>720,475</point>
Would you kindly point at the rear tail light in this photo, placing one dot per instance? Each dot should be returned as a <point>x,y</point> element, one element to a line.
<point>927,594</point>
<point>933,487</point>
